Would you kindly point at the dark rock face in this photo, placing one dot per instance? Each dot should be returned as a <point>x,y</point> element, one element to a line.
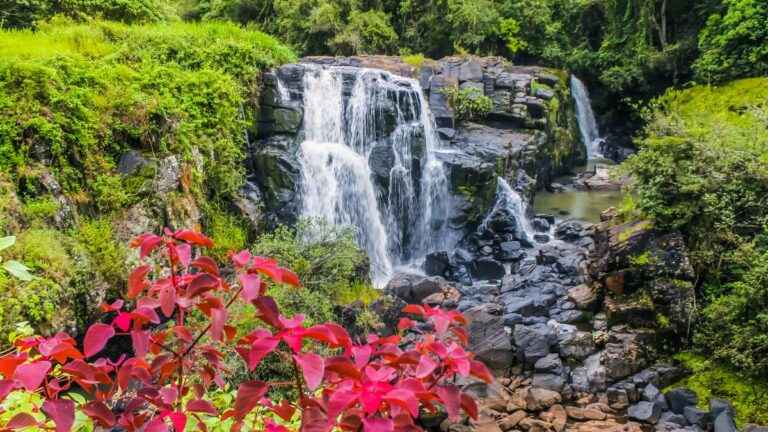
<point>414,288</point>
<point>486,268</point>
<point>647,412</point>
<point>680,398</point>
<point>489,339</point>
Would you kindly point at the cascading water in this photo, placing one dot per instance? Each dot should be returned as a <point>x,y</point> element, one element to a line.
<point>510,202</point>
<point>590,134</point>
<point>378,120</point>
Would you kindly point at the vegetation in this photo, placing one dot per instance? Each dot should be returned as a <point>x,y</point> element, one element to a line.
<point>468,103</point>
<point>702,169</point>
<point>366,382</point>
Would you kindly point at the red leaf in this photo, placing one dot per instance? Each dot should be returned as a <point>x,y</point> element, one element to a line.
<point>414,309</point>
<point>268,311</point>
<point>179,420</point>
<point>259,349</point>
<point>21,421</point>
<point>479,370</point>
<point>342,366</point>
<point>62,412</point>
<point>313,417</point>
<point>148,243</point>
<point>167,300</point>
<point>285,410</point>
<point>206,264</point>
<point>252,286</point>
<point>193,237</point>
<point>404,398</point>
<point>184,254</point>
<point>6,387</point>
<point>9,363</point>
<point>405,323</point>
<point>312,367</point>
<point>290,278</point>
<point>362,354</point>
<point>378,424</point>
<point>449,395</point>
<point>99,412</point>
<point>31,375</point>
<point>137,281</point>
<point>469,406</point>
<point>202,406</point>
<point>248,396</point>
<point>96,338</point>
<point>202,282</point>
<point>140,342</point>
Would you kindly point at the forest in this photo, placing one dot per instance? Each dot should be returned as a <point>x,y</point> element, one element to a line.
<point>119,118</point>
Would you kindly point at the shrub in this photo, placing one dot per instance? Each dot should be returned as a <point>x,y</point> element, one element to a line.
<point>468,103</point>
<point>174,369</point>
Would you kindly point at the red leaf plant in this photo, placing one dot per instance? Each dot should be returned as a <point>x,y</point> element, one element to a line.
<point>380,384</point>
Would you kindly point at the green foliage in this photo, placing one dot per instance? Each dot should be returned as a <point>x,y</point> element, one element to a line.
<point>325,257</point>
<point>86,93</point>
<point>25,13</point>
<point>107,255</point>
<point>468,103</point>
<point>711,379</point>
<point>368,32</point>
<point>702,168</point>
<point>227,231</point>
<point>415,60</point>
<point>40,209</point>
<point>734,43</point>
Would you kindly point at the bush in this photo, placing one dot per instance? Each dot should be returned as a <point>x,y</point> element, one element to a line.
<point>734,43</point>
<point>468,103</point>
<point>26,13</point>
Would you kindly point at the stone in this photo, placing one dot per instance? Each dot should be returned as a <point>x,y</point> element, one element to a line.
<point>486,268</point>
<point>554,382</point>
<point>695,416</point>
<point>436,263</point>
<point>413,288</point>
<point>509,422</point>
<point>533,425</point>
<point>578,413</point>
<point>488,337</point>
<point>381,160</point>
<point>573,343</point>
<point>583,296</point>
<point>510,251</point>
<point>652,394</point>
<point>618,398</point>
<point>591,376</point>
<point>679,398</point>
<point>644,411</point>
<point>533,341</point>
<point>131,162</point>
<point>541,238</point>
<point>540,224</point>
<point>724,423</point>
<point>717,406</point>
<point>549,363</point>
<point>755,428</point>
<point>538,399</point>
<point>556,416</point>
<point>672,418</point>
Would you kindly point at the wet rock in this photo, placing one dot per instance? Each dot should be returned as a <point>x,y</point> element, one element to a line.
<point>644,411</point>
<point>389,310</point>
<point>652,394</point>
<point>591,376</point>
<point>510,251</point>
<point>381,160</point>
<point>541,238</point>
<point>540,224</point>
<point>696,416</point>
<point>437,263</point>
<point>488,337</point>
<point>413,288</point>
<point>717,406</point>
<point>486,268</point>
<point>570,231</point>
<point>583,296</point>
<point>672,418</point>
<point>573,343</point>
<point>724,423</point>
<point>131,162</point>
<point>549,363</point>
<point>681,397</point>
<point>549,381</point>
<point>533,342</point>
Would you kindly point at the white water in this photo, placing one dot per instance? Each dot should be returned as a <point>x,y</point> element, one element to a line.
<point>510,200</point>
<point>403,225</point>
<point>590,134</point>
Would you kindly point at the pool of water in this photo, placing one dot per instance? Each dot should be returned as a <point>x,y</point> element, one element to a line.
<point>582,205</point>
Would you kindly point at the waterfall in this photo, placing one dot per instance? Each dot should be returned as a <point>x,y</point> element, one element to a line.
<point>357,123</point>
<point>510,202</point>
<point>590,134</point>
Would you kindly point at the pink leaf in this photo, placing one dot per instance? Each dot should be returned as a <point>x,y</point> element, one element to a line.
<point>140,342</point>
<point>6,387</point>
<point>259,349</point>
<point>148,244</point>
<point>404,398</point>
<point>137,281</point>
<point>451,399</point>
<point>206,264</point>
<point>62,412</point>
<point>241,258</point>
<point>218,319</point>
<point>123,321</point>
<point>252,286</point>
<point>31,375</point>
<point>167,300</point>
<point>426,366</point>
<point>378,424</point>
<point>202,406</point>
<point>201,283</point>
<point>100,413</point>
<point>21,421</point>
<point>96,338</point>
<point>362,354</point>
<point>184,252</point>
<point>313,367</point>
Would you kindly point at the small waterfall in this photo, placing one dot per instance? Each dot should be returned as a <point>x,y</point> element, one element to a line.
<point>590,134</point>
<point>509,201</point>
<point>351,132</point>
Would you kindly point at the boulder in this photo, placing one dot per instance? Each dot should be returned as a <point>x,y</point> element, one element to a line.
<point>437,263</point>
<point>413,288</point>
<point>672,418</point>
<point>724,423</point>
<point>583,296</point>
<point>644,411</point>
<point>486,269</point>
<point>679,398</point>
<point>488,337</point>
<point>549,381</point>
<point>717,406</point>
<point>550,363</point>
<point>509,422</point>
<point>696,416</point>
<point>555,416</point>
<point>533,342</point>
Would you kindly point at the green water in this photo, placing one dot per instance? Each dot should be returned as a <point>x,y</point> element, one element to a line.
<point>582,205</point>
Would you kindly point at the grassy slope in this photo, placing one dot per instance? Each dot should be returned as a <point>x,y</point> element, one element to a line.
<point>73,99</point>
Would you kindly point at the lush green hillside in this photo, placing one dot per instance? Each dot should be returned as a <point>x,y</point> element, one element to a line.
<point>75,98</point>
